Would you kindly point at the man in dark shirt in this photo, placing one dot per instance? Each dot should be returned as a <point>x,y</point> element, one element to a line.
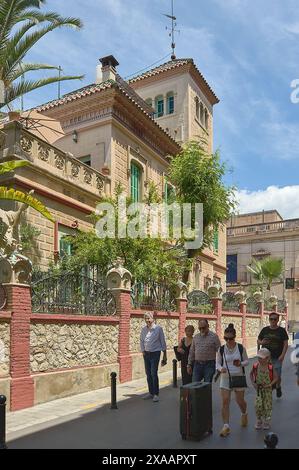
<point>275,338</point>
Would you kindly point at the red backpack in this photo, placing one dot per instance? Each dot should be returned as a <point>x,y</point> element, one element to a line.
<point>254,371</point>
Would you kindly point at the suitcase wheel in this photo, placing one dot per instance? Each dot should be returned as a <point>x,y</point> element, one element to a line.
<point>210,431</point>
<point>184,437</point>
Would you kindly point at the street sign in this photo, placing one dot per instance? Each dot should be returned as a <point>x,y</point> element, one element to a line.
<point>290,283</point>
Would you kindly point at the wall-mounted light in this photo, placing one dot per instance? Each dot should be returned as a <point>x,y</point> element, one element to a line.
<point>75,136</point>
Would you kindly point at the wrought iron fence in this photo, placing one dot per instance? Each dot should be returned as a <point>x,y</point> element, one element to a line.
<point>153,296</point>
<point>268,306</point>
<point>281,305</point>
<point>252,305</point>
<point>199,302</point>
<point>3,297</point>
<point>229,302</point>
<point>71,293</point>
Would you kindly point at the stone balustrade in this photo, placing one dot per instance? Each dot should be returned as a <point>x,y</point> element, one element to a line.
<point>46,156</point>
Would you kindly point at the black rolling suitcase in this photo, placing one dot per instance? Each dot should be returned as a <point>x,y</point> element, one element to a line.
<point>196,410</point>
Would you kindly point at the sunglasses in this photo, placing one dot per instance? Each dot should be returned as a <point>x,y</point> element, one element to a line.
<point>228,339</point>
<point>202,328</point>
<point>273,319</point>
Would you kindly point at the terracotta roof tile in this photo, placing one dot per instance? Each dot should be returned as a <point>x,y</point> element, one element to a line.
<point>170,65</point>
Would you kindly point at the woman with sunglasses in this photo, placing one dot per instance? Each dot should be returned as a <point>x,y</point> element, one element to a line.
<point>230,362</point>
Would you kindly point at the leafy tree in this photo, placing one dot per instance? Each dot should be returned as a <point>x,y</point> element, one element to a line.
<point>22,25</point>
<point>197,177</point>
<point>19,196</point>
<point>148,259</point>
<point>266,271</point>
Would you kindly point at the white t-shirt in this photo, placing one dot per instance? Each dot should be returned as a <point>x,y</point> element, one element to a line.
<point>231,356</point>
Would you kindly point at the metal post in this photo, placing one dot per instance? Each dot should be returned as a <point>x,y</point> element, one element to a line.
<point>2,422</point>
<point>113,391</point>
<point>175,373</point>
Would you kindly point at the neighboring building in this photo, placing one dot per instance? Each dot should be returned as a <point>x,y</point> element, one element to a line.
<point>111,135</point>
<point>259,235</point>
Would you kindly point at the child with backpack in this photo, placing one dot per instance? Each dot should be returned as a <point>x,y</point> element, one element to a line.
<point>263,377</point>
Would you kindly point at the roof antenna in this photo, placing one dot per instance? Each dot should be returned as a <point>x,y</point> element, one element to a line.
<point>173,30</point>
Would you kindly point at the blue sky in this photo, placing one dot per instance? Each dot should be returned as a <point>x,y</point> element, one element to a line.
<point>248,50</point>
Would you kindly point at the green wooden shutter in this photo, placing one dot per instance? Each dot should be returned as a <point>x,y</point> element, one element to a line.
<point>135,182</point>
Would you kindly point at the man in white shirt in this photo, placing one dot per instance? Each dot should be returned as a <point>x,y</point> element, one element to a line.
<point>152,342</point>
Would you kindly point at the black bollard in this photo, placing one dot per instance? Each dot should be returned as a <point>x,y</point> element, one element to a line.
<point>2,422</point>
<point>174,373</point>
<point>271,440</point>
<point>113,391</point>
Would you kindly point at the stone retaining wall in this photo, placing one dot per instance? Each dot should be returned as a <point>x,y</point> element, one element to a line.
<point>64,346</point>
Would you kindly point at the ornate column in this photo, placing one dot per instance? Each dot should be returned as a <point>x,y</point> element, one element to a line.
<point>119,282</point>
<point>215,294</point>
<point>241,298</point>
<point>15,274</point>
<point>181,302</point>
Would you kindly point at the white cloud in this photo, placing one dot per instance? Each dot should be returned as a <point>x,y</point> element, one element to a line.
<point>285,200</point>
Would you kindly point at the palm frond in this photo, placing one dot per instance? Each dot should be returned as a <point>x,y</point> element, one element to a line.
<point>25,87</point>
<point>24,68</point>
<point>19,196</point>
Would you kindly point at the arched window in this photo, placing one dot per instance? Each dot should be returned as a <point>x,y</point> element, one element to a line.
<point>136,174</point>
<point>197,107</point>
<point>170,103</point>
<point>159,106</point>
<point>206,119</point>
<point>201,114</point>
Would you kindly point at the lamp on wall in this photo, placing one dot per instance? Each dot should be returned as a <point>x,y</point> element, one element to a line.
<point>75,135</point>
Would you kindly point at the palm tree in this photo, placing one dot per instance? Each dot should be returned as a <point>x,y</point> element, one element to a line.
<point>266,271</point>
<point>22,25</point>
<point>19,196</point>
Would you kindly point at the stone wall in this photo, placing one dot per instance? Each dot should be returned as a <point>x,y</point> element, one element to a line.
<point>194,322</point>
<point>63,346</point>
<point>237,322</point>
<point>253,327</point>
<point>170,327</point>
<point>4,348</point>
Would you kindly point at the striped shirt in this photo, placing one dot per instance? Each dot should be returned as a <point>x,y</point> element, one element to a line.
<point>152,339</point>
<point>204,347</point>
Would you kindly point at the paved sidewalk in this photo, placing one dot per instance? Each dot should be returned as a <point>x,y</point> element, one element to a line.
<point>19,423</point>
<point>83,403</point>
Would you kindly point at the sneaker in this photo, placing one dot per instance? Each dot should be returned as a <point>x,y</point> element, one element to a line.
<point>225,431</point>
<point>244,420</point>
<point>156,398</point>
<point>266,424</point>
<point>147,396</point>
<point>259,424</point>
<point>278,392</point>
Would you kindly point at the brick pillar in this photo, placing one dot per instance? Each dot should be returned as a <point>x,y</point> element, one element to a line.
<point>243,333</point>
<point>21,385</point>
<point>217,307</point>
<point>182,309</point>
<point>119,282</point>
<point>286,311</point>
<point>123,299</point>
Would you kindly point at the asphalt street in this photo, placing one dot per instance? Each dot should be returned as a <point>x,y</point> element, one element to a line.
<point>140,424</point>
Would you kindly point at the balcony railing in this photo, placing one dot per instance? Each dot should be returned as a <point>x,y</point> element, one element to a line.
<point>64,165</point>
<point>245,230</point>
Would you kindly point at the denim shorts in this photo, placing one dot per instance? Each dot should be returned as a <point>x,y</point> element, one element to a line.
<point>277,365</point>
